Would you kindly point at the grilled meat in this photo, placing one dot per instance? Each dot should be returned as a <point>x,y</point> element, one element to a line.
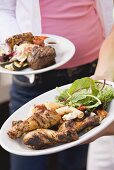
<point>40,118</point>
<point>19,38</point>
<point>41,57</point>
<point>101,113</point>
<point>44,138</point>
<point>80,125</point>
<point>36,132</point>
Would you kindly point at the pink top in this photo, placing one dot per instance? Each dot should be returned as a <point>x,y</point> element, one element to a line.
<point>76,20</point>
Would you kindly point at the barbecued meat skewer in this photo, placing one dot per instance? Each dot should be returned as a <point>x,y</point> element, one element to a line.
<point>41,118</point>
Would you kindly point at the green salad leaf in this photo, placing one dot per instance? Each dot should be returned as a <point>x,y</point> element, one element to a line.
<point>106,94</point>
<point>87,92</point>
<point>84,83</point>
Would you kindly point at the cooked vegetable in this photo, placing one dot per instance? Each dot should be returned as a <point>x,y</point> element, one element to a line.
<point>3,64</point>
<point>39,40</point>
<point>19,66</point>
<point>8,65</point>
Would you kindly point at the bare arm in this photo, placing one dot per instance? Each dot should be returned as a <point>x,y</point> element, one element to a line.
<point>105,70</point>
<point>105,66</point>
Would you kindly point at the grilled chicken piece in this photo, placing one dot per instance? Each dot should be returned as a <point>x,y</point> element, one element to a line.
<point>45,138</point>
<point>40,118</point>
<point>80,125</point>
<point>67,132</point>
<point>101,113</point>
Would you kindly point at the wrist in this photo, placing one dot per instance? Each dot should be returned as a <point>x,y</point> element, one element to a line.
<point>107,74</point>
<point>109,130</point>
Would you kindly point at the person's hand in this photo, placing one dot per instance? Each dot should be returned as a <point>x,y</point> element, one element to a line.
<point>101,77</point>
<point>106,132</point>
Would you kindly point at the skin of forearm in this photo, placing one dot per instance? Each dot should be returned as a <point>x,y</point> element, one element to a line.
<point>110,129</point>
<point>105,66</point>
<point>105,69</point>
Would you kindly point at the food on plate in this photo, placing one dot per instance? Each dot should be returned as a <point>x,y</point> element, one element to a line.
<point>26,50</point>
<point>39,40</point>
<point>19,38</point>
<point>53,42</point>
<point>86,93</point>
<point>40,117</point>
<point>44,138</point>
<point>75,111</point>
<point>41,57</point>
<point>5,53</point>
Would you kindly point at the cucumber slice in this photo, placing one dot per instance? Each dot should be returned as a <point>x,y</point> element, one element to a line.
<point>25,65</point>
<point>17,66</point>
<point>8,65</point>
<point>3,64</point>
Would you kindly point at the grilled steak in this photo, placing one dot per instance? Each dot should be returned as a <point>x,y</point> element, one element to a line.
<point>41,57</point>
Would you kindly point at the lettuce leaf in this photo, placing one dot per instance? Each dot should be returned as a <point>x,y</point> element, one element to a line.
<point>106,94</point>
<point>84,83</point>
<point>86,91</point>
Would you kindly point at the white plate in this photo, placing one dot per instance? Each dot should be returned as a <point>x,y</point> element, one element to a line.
<point>17,147</point>
<point>66,53</point>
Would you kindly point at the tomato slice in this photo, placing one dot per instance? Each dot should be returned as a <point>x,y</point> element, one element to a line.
<point>39,40</point>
